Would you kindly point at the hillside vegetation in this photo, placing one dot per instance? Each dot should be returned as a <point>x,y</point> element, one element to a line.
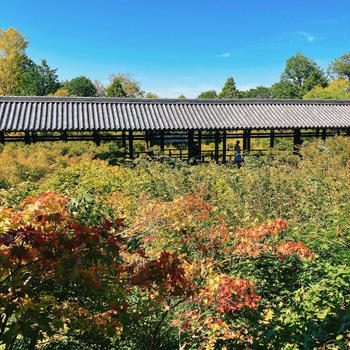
<point>163,255</point>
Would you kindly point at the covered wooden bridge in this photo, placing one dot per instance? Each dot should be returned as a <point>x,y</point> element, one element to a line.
<point>163,122</point>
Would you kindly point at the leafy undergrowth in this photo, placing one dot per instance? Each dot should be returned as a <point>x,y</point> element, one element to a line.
<point>166,256</point>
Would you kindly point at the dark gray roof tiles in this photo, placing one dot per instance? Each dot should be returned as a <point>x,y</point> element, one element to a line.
<point>84,114</point>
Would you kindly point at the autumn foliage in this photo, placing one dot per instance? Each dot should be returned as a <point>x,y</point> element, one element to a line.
<point>170,259</point>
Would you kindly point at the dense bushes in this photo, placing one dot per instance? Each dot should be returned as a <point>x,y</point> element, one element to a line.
<point>185,226</point>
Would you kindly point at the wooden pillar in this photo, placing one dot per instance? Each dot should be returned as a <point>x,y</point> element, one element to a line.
<point>190,144</point>
<point>338,132</point>
<point>97,138</point>
<point>63,136</point>
<point>246,140</point>
<point>151,144</point>
<point>217,141</point>
<point>317,133</point>
<point>272,138</point>
<point>296,140</point>
<point>131,145</point>
<point>34,138</point>
<point>348,132</point>
<point>324,134</point>
<point>2,137</point>
<point>123,139</point>
<point>161,140</point>
<point>27,138</point>
<point>200,144</point>
<point>224,146</point>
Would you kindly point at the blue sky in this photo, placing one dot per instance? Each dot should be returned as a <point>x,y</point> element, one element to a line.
<point>174,47</point>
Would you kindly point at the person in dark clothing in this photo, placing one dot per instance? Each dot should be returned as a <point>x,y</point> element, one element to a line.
<point>238,158</point>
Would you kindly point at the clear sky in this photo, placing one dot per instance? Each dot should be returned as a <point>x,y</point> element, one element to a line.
<point>180,47</point>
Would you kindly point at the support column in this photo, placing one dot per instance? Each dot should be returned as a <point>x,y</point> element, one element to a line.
<point>190,144</point>
<point>34,138</point>
<point>338,132</point>
<point>26,138</point>
<point>296,141</point>
<point>324,134</point>
<point>224,147</point>
<point>161,140</point>
<point>97,139</point>
<point>317,133</point>
<point>63,136</point>
<point>123,139</point>
<point>131,145</point>
<point>347,132</point>
<point>272,138</point>
<point>2,137</point>
<point>217,141</point>
<point>200,145</point>
<point>246,141</point>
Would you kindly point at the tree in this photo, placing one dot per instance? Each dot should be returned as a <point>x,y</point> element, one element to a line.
<point>115,89</point>
<point>337,89</point>
<point>12,47</point>
<point>229,90</point>
<point>38,80</point>
<point>130,86</point>
<point>340,67</point>
<point>182,97</point>
<point>100,89</point>
<point>211,94</point>
<point>81,86</point>
<point>258,92</point>
<point>151,95</point>
<point>300,75</point>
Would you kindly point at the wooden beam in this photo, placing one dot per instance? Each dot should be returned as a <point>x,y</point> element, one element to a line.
<point>190,144</point>
<point>272,138</point>
<point>2,137</point>
<point>26,138</point>
<point>63,136</point>
<point>324,134</point>
<point>131,145</point>
<point>317,133</point>
<point>161,140</point>
<point>34,137</point>
<point>96,137</point>
<point>217,141</point>
<point>224,146</point>
<point>296,141</point>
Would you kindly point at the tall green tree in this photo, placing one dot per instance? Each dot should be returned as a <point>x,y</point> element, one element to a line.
<point>38,80</point>
<point>300,75</point>
<point>340,67</point>
<point>211,94</point>
<point>258,92</point>
<point>130,86</point>
<point>337,89</point>
<point>12,53</point>
<point>81,86</point>
<point>115,89</point>
<point>229,90</point>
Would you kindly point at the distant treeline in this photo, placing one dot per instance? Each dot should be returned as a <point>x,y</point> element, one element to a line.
<point>301,78</point>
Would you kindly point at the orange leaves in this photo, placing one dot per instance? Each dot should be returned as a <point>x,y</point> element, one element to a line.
<point>298,248</point>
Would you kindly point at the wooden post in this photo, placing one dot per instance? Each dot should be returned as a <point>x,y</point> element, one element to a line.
<point>217,141</point>
<point>224,146</point>
<point>324,134</point>
<point>296,141</point>
<point>151,144</point>
<point>63,136</point>
<point>248,140</point>
<point>338,132</point>
<point>199,145</point>
<point>131,145</point>
<point>244,140</point>
<point>190,144</point>
<point>34,138</point>
<point>348,132</point>
<point>2,137</point>
<point>26,138</point>
<point>96,137</point>
<point>161,140</point>
<point>317,133</point>
<point>123,139</point>
<point>272,138</point>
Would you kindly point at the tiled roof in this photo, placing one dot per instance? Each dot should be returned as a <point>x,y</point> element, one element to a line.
<point>81,113</point>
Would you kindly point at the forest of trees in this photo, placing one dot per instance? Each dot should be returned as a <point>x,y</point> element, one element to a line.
<point>301,78</point>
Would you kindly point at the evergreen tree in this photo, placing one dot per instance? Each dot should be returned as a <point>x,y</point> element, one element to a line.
<point>211,94</point>
<point>115,89</point>
<point>340,67</point>
<point>229,90</point>
<point>81,86</point>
